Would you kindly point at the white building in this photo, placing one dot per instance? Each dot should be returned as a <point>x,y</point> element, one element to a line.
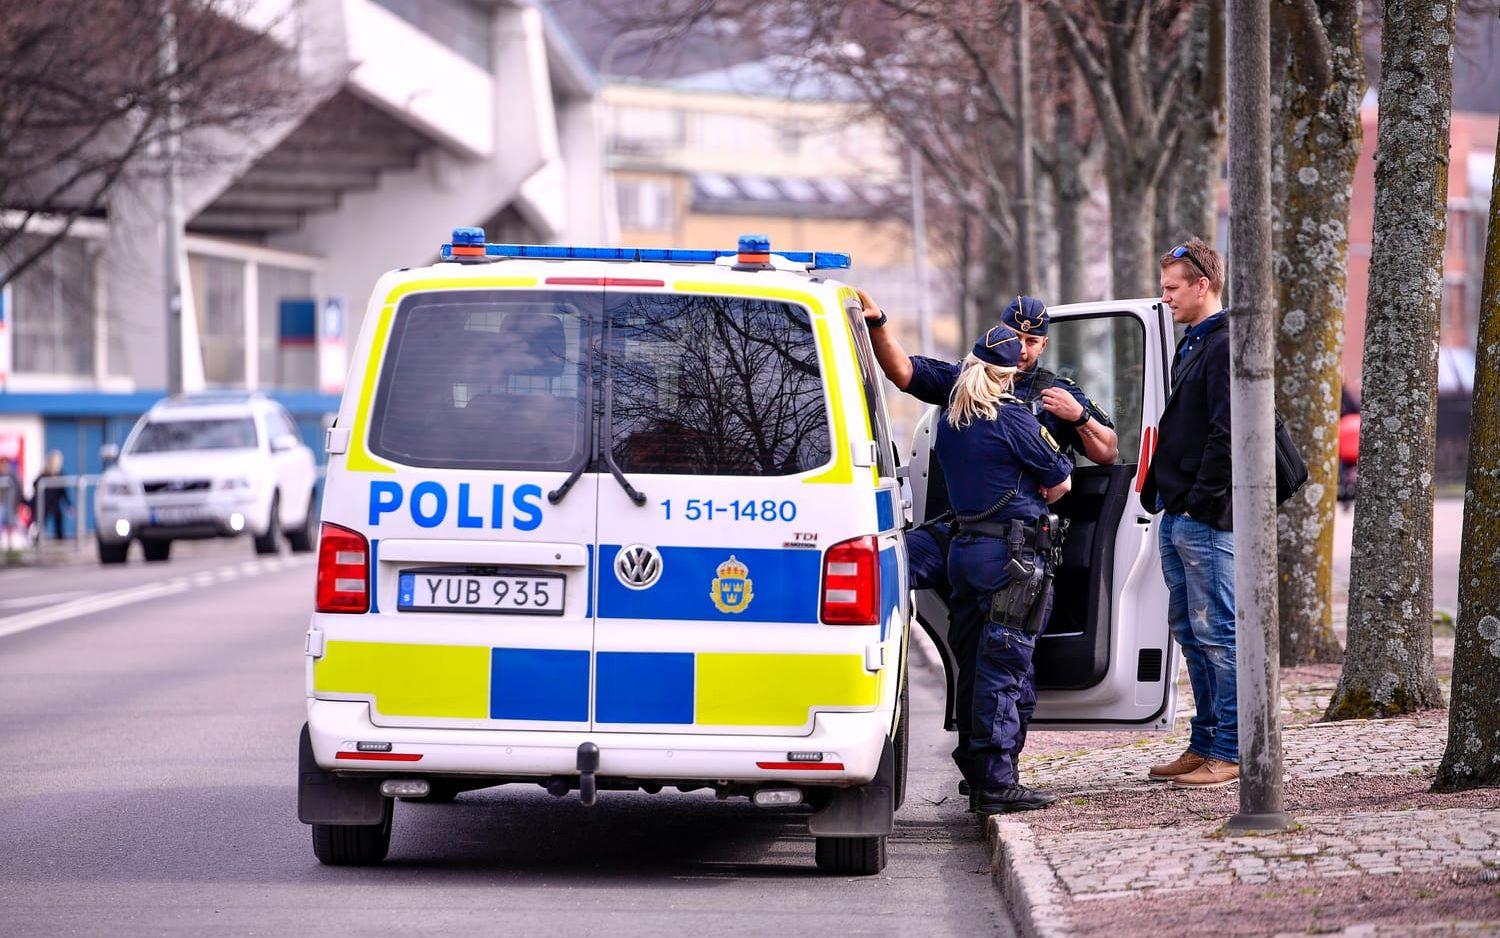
<point>423,115</point>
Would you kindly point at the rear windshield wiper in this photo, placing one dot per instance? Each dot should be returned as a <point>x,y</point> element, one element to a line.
<point>609,424</point>
<point>561,492</point>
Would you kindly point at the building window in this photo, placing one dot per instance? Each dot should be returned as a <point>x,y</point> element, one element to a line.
<point>461,25</point>
<point>634,129</point>
<point>286,336</point>
<point>646,204</point>
<point>54,310</point>
<point>219,295</point>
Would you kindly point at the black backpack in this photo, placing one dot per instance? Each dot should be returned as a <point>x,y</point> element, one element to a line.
<point>1291,469</point>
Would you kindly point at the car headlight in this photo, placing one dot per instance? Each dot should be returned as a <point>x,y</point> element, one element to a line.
<point>117,488</point>
<point>236,482</point>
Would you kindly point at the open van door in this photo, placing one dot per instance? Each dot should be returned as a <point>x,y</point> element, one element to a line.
<point>1106,659</point>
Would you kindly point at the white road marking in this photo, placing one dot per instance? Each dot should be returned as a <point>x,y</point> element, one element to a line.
<point>99,602</point>
<point>40,600</point>
<point>26,621</point>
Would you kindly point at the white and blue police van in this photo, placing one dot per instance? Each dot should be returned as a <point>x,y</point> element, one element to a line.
<point>627,519</point>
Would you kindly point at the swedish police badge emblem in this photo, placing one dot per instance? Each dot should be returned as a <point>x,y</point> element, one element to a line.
<point>731,590</point>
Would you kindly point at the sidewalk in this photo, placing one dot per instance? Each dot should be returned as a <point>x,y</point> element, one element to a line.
<point>1374,853</point>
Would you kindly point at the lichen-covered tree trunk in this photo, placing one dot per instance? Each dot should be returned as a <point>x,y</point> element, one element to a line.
<point>1316,93</point>
<point>1388,662</point>
<point>1472,759</point>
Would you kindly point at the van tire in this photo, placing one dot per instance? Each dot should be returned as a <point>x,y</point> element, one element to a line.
<point>353,844</point>
<point>112,553</point>
<point>902,743</point>
<point>266,543</point>
<point>156,551</point>
<point>300,538</point>
<point>851,856</point>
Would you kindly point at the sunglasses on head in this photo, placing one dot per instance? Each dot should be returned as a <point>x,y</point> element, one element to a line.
<point>1182,252</point>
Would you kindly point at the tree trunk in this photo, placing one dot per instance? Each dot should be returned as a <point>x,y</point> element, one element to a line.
<point>1316,147</point>
<point>1388,662</point>
<point>1067,202</point>
<point>1188,203</point>
<point>1472,759</point>
<point>1132,206</point>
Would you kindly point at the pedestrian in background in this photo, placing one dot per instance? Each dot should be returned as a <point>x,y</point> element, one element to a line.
<point>10,501</point>
<point>52,501</point>
<point>1189,479</point>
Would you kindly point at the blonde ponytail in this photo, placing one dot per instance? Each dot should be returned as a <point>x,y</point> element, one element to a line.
<point>977,392</point>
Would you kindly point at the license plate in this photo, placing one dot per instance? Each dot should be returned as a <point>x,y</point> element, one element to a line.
<point>516,594</point>
<point>178,514</point>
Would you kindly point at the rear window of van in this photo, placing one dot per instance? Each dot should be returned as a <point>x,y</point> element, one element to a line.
<point>679,384</point>
<point>713,385</point>
<point>487,380</point>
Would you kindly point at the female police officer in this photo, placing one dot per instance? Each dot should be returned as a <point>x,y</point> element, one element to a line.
<point>1000,465</point>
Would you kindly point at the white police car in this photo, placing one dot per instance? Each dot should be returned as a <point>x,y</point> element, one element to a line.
<point>216,464</point>
<point>602,518</point>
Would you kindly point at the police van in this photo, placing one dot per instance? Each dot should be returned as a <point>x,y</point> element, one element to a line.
<point>629,519</point>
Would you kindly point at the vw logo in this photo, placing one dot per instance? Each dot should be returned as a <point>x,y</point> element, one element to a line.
<point>638,567</point>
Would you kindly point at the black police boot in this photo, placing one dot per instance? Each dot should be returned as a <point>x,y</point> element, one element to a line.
<point>963,787</point>
<point>1009,799</point>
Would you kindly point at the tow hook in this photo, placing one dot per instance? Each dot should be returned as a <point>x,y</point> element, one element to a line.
<point>588,764</point>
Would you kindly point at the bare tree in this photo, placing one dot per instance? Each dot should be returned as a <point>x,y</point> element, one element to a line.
<point>1318,84</point>
<point>1472,758</point>
<point>1190,207</point>
<point>1388,665</point>
<point>1136,91</point>
<point>85,97</point>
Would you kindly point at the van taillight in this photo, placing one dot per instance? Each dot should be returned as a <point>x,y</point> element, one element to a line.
<point>343,570</point>
<point>851,582</point>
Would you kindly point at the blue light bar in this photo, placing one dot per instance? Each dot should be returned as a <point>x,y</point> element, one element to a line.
<point>472,238</point>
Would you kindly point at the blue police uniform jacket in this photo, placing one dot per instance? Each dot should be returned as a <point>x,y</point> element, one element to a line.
<point>932,383</point>
<point>989,458</point>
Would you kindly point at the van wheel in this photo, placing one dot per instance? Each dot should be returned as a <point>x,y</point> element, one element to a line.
<point>902,743</point>
<point>851,856</point>
<point>266,543</point>
<point>157,551</point>
<point>300,538</point>
<point>112,553</point>
<point>353,844</point>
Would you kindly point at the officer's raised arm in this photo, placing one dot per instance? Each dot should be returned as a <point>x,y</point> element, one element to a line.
<point>929,380</point>
<point>888,352</point>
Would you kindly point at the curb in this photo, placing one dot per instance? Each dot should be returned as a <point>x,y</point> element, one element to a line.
<point>1025,879</point>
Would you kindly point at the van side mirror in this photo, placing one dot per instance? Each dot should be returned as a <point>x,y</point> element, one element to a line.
<point>109,454</point>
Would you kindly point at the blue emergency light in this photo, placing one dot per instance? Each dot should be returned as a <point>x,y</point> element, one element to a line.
<point>468,246</point>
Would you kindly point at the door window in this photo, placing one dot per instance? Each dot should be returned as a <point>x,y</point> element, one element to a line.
<point>1106,356</point>
<point>885,452</point>
<point>486,380</point>
<point>714,385</point>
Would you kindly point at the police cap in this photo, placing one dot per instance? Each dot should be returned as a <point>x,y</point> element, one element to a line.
<point>1000,346</point>
<point>1026,314</point>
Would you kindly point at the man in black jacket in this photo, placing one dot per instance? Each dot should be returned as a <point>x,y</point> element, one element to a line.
<point>1189,479</point>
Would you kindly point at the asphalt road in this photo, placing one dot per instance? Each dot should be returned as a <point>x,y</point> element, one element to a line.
<point>149,718</point>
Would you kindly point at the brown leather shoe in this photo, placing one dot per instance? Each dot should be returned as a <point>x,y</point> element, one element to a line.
<point>1214,773</point>
<point>1187,762</point>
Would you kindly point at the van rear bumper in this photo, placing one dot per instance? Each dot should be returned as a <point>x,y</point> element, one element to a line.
<point>852,741</point>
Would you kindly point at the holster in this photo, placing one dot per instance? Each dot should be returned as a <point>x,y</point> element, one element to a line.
<point>1035,550</point>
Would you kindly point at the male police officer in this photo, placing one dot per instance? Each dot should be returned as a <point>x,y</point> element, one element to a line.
<point>1074,421</point>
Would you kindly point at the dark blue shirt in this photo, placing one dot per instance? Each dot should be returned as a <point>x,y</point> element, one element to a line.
<point>932,382</point>
<point>1194,338</point>
<point>987,459</point>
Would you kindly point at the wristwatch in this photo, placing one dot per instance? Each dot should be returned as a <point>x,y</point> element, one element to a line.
<point>876,324</point>
<point>1083,418</point>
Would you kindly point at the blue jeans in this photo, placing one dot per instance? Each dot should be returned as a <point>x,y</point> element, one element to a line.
<point>1198,564</point>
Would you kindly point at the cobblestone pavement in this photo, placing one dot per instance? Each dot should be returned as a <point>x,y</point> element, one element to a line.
<point>1373,850</point>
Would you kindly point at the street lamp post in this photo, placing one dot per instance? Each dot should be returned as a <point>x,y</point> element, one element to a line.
<point>1252,401</point>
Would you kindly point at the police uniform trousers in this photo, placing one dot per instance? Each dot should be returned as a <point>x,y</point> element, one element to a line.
<point>998,688</point>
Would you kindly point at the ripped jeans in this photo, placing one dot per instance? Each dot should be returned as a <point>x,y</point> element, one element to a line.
<point>1198,564</point>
